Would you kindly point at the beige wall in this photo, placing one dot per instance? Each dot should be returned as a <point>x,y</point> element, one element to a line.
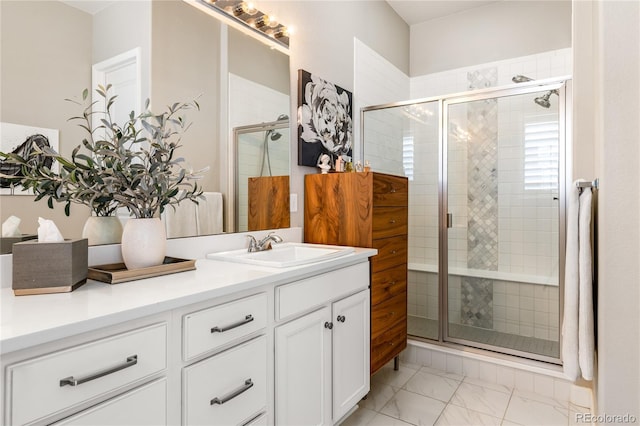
<point>185,64</point>
<point>44,62</point>
<point>499,30</point>
<point>607,71</point>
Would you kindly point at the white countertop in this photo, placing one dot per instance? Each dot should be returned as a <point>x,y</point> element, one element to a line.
<point>26,321</point>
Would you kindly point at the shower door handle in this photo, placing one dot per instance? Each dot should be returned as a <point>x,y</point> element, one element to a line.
<point>449,220</point>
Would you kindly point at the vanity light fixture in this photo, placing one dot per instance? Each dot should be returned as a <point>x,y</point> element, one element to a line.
<point>244,16</point>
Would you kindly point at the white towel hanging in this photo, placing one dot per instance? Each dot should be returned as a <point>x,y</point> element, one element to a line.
<point>577,326</point>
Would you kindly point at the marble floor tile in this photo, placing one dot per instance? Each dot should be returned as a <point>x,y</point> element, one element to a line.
<point>484,400</point>
<point>378,396</point>
<point>360,417</point>
<point>530,412</point>
<point>413,408</point>
<point>549,400</point>
<point>382,420</point>
<point>432,385</point>
<point>389,376</point>
<point>458,416</point>
<point>452,376</point>
<point>494,386</point>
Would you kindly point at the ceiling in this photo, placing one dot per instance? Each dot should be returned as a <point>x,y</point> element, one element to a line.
<point>411,11</point>
<point>89,6</point>
<point>417,11</point>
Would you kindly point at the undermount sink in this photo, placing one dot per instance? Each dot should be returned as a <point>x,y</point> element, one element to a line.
<point>283,255</point>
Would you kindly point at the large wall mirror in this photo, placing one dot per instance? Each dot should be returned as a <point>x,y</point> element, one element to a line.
<point>50,48</point>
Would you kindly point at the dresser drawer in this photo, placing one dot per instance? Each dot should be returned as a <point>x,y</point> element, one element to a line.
<point>388,345</point>
<point>227,389</point>
<point>213,327</point>
<point>46,385</point>
<point>391,252</point>
<point>389,222</point>
<point>388,283</point>
<point>143,406</point>
<point>386,314</point>
<point>390,190</point>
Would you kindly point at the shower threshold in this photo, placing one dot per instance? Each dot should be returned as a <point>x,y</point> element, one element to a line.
<point>427,328</point>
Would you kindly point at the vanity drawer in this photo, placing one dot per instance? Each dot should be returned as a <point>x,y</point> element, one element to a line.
<point>388,283</point>
<point>389,222</point>
<point>306,294</point>
<point>386,314</point>
<point>391,252</point>
<point>390,190</point>
<point>143,406</point>
<point>211,328</point>
<point>227,389</point>
<point>46,385</point>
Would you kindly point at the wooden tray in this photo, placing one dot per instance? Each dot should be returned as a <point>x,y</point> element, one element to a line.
<point>114,273</point>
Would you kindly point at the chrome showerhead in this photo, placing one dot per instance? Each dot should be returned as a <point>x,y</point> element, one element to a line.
<point>282,117</point>
<point>274,135</point>
<point>543,100</point>
<point>521,79</point>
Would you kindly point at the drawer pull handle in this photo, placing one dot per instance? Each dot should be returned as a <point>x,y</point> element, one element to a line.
<point>392,221</point>
<point>71,381</point>
<point>341,318</point>
<point>392,283</point>
<point>394,251</point>
<point>393,190</point>
<point>246,320</point>
<point>328,325</point>
<point>248,384</point>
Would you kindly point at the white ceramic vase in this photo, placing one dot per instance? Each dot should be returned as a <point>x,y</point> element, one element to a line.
<point>102,230</point>
<point>144,243</point>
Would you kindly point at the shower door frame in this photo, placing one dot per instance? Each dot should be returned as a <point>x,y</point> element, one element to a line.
<point>564,111</point>
<point>564,86</point>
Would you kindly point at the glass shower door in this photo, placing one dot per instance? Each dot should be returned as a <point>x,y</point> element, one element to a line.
<point>502,214</point>
<point>404,140</point>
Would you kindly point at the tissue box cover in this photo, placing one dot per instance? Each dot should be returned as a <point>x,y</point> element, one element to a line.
<point>40,268</point>
<point>6,243</point>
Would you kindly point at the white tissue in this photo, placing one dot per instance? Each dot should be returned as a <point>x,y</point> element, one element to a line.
<point>48,232</point>
<point>10,227</point>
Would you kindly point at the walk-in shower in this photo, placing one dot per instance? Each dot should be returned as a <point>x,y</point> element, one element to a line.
<point>486,205</point>
<point>260,150</point>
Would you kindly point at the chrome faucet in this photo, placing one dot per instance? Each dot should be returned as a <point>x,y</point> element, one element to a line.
<point>263,244</point>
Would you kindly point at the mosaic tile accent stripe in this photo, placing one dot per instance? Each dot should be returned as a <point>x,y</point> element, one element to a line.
<point>482,201</point>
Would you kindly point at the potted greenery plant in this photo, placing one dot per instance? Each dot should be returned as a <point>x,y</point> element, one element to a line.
<point>131,165</point>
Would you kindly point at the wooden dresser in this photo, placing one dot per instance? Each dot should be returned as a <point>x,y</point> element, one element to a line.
<point>367,210</point>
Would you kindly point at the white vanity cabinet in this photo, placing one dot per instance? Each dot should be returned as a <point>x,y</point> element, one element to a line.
<point>322,357</point>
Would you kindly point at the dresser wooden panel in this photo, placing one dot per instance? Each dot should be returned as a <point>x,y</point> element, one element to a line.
<point>367,210</point>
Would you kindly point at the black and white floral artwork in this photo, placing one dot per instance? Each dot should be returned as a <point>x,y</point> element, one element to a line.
<point>22,140</point>
<point>324,120</point>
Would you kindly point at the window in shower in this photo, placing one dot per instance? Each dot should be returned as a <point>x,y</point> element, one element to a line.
<point>541,155</point>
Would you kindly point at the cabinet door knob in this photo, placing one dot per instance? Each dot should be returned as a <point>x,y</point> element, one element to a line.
<point>72,381</point>
<point>328,325</point>
<point>392,221</point>
<point>341,318</point>
<point>394,251</point>
<point>392,190</point>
